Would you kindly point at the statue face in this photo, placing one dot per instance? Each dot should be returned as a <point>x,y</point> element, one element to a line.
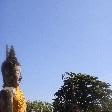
<point>17,72</point>
<point>12,77</point>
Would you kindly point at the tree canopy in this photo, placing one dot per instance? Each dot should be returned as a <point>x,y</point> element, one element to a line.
<point>83,93</point>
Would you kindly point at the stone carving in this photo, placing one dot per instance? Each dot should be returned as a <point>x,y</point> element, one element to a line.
<point>11,97</point>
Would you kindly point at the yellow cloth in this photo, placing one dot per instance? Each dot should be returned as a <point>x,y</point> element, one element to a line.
<point>19,102</point>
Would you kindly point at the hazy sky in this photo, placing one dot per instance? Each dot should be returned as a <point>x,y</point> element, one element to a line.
<point>56,36</point>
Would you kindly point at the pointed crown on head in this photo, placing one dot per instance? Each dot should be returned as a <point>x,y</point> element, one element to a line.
<point>11,56</point>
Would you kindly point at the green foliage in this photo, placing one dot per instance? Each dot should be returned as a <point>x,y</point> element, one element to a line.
<point>39,106</point>
<point>83,93</point>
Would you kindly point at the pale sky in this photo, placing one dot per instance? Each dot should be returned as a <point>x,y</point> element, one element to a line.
<point>56,36</point>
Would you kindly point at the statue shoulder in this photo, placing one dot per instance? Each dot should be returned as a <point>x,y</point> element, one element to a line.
<point>7,91</point>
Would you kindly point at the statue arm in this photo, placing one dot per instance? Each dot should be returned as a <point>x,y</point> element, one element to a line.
<point>10,101</point>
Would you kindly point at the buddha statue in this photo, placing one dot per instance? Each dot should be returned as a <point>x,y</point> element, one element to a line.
<point>11,97</point>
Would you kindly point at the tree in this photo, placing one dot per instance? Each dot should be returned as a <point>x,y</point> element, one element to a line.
<point>39,106</point>
<point>83,93</point>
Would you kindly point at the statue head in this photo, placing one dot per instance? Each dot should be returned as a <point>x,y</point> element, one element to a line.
<point>11,69</point>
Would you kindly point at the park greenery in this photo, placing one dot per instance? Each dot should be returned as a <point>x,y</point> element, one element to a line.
<point>79,93</point>
<point>39,106</point>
